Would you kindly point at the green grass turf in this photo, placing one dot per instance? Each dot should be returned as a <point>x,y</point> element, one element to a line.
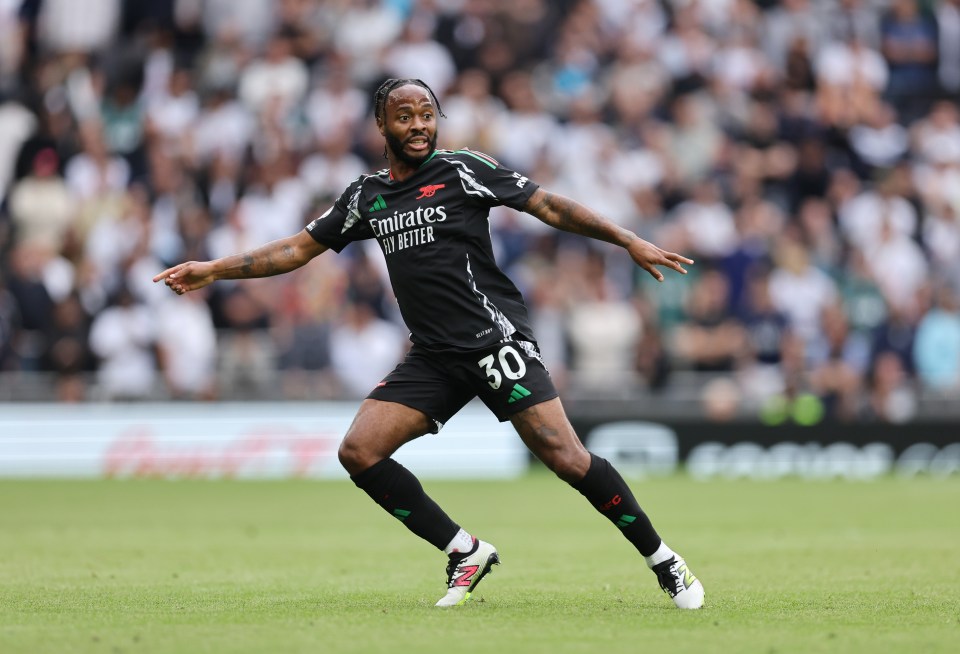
<point>189,566</point>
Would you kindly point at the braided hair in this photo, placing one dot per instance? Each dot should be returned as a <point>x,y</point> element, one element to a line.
<point>380,97</point>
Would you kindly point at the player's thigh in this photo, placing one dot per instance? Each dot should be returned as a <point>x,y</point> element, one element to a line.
<point>423,381</point>
<point>378,430</point>
<point>546,431</point>
<point>509,377</point>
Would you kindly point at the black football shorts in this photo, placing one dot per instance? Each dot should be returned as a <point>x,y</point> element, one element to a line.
<point>508,377</point>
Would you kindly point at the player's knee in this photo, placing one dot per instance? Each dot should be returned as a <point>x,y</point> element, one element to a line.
<point>353,458</point>
<point>569,464</point>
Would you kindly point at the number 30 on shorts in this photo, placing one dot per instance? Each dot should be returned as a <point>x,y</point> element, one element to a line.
<point>511,363</point>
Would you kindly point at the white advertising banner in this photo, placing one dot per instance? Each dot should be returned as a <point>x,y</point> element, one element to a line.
<point>233,440</point>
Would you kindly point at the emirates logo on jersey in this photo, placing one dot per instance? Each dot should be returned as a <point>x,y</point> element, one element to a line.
<point>429,191</point>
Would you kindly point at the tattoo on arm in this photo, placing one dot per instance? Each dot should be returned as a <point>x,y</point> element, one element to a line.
<point>541,205</point>
<point>572,220</point>
<point>568,215</point>
<point>247,268</point>
<point>271,259</point>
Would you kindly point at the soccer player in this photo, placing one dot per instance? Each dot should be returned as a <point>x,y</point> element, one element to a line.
<point>469,327</point>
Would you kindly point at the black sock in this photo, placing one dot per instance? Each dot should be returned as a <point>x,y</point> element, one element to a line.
<point>606,490</point>
<point>399,492</point>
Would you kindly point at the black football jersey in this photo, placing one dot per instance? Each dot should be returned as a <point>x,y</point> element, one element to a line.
<point>434,231</point>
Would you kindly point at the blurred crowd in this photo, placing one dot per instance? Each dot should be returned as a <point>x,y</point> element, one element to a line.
<point>805,152</point>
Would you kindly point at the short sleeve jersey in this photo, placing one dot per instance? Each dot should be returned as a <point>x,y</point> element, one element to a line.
<point>434,230</point>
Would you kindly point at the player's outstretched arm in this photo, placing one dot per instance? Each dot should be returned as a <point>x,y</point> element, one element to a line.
<point>571,216</point>
<point>274,258</point>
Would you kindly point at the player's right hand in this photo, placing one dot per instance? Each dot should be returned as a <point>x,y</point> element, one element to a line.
<point>187,276</point>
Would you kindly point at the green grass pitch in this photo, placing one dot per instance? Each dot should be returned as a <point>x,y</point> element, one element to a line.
<point>301,566</point>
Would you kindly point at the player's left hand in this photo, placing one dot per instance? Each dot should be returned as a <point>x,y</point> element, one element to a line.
<point>648,256</point>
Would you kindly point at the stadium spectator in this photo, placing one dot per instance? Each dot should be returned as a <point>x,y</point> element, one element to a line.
<point>638,82</point>
<point>251,21</point>
<point>325,172</point>
<point>891,397</point>
<point>862,298</point>
<point>473,110</point>
<point>941,238</point>
<point>863,216</point>
<point>878,142</point>
<point>947,15</point>
<point>837,365</point>
<point>815,220</point>
<point>524,132</point>
<point>603,330</point>
<point>123,336</point>
<point>936,137</point>
<point>10,329</point>
<point>334,107</point>
<point>708,222</point>
<point>42,210</point>
<point>686,50</point>
<point>895,337</point>
<point>93,171</point>
<point>415,53</point>
<point>304,24</point>
<point>275,199</point>
<point>68,352</point>
<point>800,290</point>
<point>785,24</point>
<point>845,19</point>
<point>909,43</point>
<point>277,81</point>
<point>851,74</point>
<point>721,399</point>
<point>186,348</point>
<point>66,27</point>
<point>364,31</point>
<point>223,129</point>
<point>27,279</point>
<point>17,124</point>
<point>364,348</point>
<point>247,353</point>
<point>710,339</point>
<point>936,348</point>
<point>302,332</point>
<point>174,110</point>
<point>904,269</point>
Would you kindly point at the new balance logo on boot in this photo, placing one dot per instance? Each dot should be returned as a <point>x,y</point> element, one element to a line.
<point>464,572</point>
<point>678,582</point>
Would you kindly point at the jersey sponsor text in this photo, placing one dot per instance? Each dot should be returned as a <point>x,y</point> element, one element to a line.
<point>398,221</point>
<point>407,229</point>
<point>409,238</point>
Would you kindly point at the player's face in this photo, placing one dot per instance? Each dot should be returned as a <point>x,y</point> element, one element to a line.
<point>410,124</point>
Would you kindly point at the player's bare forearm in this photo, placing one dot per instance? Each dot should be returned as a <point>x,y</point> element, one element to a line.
<point>571,216</point>
<point>274,258</point>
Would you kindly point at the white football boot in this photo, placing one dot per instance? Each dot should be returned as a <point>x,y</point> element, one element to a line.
<point>464,572</point>
<point>678,582</point>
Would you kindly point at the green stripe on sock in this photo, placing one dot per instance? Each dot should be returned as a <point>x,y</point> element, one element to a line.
<point>626,521</point>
